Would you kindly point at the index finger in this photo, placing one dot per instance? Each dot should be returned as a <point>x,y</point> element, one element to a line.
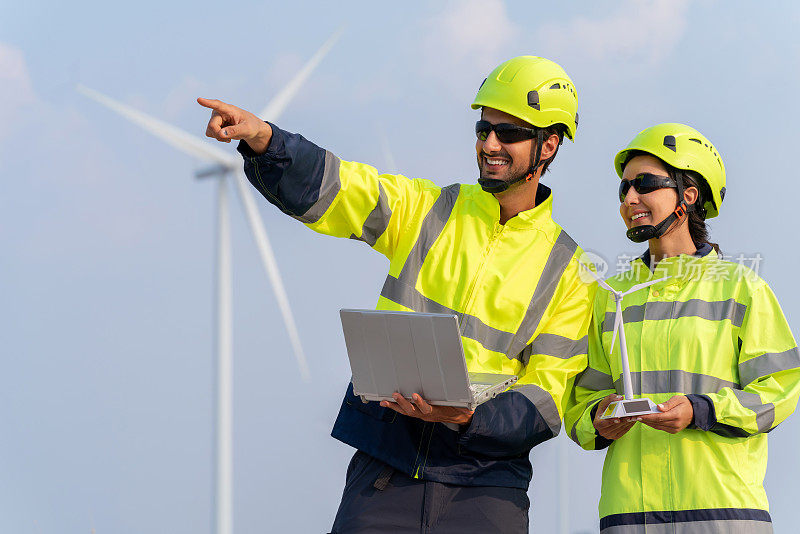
<point>211,103</point>
<point>657,417</point>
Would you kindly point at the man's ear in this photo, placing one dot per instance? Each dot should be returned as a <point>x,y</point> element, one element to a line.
<point>549,146</point>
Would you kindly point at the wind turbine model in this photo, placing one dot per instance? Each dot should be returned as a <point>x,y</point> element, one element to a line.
<point>224,164</point>
<point>628,406</point>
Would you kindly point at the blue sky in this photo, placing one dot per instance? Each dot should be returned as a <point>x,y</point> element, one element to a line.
<point>108,240</point>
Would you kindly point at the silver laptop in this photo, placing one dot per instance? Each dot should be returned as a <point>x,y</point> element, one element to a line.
<point>414,353</point>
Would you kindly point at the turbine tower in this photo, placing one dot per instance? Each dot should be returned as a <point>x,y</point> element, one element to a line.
<point>223,166</point>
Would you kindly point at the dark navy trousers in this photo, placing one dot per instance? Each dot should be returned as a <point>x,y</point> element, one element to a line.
<point>378,499</point>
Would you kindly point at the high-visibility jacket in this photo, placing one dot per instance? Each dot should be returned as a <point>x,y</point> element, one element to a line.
<point>712,331</point>
<point>515,288</point>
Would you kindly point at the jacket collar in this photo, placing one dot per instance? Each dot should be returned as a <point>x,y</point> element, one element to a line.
<point>541,213</point>
<point>678,267</point>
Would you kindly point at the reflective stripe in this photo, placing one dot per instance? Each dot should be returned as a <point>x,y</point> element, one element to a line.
<point>544,403</point>
<point>673,381</point>
<point>573,433</point>
<point>554,345</point>
<point>491,338</point>
<point>722,526</point>
<point>704,521</point>
<point>661,311</point>
<point>560,255</point>
<point>328,190</point>
<point>377,221</point>
<point>471,327</point>
<point>765,413</point>
<point>594,380</point>
<point>432,227</point>
<point>768,363</point>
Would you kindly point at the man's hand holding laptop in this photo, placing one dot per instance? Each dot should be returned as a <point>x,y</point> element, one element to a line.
<point>420,409</point>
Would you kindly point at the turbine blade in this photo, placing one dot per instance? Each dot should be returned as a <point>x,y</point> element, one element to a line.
<point>271,266</point>
<point>276,106</point>
<point>176,137</point>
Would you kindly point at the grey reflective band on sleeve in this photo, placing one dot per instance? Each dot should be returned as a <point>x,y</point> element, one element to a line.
<point>377,221</point>
<point>544,403</point>
<point>432,227</point>
<point>554,345</point>
<point>471,327</point>
<point>594,380</point>
<point>698,521</point>
<point>765,413</point>
<point>768,363</point>
<point>674,381</point>
<point>719,526</point>
<point>560,255</point>
<point>328,189</point>
<point>662,311</point>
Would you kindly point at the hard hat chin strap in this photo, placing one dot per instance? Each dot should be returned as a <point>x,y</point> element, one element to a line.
<point>493,185</point>
<point>639,234</point>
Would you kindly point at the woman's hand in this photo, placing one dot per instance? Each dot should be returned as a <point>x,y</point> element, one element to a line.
<point>676,414</point>
<point>611,428</point>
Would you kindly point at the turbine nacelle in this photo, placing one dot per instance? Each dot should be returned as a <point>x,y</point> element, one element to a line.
<point>213,171</point>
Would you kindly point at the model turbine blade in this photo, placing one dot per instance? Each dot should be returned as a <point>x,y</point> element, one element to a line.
<point>176,137</point>
<point>637,287</point>
<point>600,281</point>
<point>274,109</point>
<point>271,266</point>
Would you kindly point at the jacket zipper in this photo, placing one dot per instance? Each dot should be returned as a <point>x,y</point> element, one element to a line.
<point>493,240</point>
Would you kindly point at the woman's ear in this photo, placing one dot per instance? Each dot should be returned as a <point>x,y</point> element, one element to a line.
<point>690,195</point>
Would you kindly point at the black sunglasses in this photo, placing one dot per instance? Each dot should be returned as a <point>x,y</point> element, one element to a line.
<point>645,183</point>
<point>506,133</point>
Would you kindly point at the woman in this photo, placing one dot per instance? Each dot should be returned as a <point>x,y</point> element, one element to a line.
<point>709,344</point>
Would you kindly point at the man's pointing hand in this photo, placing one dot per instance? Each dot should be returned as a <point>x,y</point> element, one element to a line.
<point>229,122</point>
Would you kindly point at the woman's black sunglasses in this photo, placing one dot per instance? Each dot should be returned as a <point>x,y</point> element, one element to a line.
<point>645,183</point>
<point>506,133</point>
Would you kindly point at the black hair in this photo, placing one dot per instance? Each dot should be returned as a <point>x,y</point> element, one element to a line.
<point>697,217</point>
<point>554,129</point>
<point>698,230</point>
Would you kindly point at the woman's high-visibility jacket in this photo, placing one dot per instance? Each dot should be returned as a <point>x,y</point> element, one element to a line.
<point>516,289</point>
<point>712,331</point>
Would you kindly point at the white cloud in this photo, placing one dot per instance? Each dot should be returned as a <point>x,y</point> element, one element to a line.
<point>638,31</point>
<point>16,90</point>
<point>468,33</point>
<point>182,96</point>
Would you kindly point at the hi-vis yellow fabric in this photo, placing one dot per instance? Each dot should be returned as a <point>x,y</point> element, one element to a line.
<point>515,288</point>
<point>449,253</point>
<point>713,328</point>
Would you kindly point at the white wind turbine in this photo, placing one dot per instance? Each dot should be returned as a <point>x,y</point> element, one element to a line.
<point>629,406</point>
<point>224,165</point>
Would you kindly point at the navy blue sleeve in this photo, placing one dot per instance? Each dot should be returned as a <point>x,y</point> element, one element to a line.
<point>704,417</point>
<point>507,425</point>
<point>289,174</point>
<point>599,441</point>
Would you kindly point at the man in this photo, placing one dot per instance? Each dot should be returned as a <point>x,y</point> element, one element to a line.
<point>489,253</point>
